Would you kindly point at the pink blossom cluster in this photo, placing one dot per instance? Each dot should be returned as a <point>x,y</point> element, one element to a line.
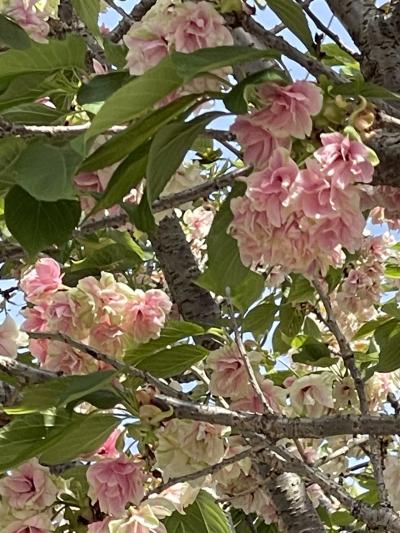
<point>103,313</point>
<point>27,493</point>
<point>361,289</point>
<point>297,218</point>
<point>176,26</point>
<point>230,379</point>
<point>31,15</point>
<point>115,482</point>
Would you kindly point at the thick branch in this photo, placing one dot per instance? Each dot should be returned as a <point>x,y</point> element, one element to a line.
<point>278,427</point>
<point>136,14</point>
<point>24,373</point>
<point>180,271</point>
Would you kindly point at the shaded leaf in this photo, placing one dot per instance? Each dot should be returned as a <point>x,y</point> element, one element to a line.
<point>101,87</point>
<point>37,224</point>
<point>168,150</point>
<point>88,12</point>
<point>260,319</point>
<point>293,16</point>
<point>13,35</point>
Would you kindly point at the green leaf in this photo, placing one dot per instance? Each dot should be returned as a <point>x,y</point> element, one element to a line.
<point>224,267</point>
<point>359,87</point>
<point>101,87</point>
<point>24,88</point>
<point>10,150</point>
<point>387,337</point>
<point>33,114</point>
<point>37,224</point>
<point>13,35</point>
<point>203,516</point>
<point>115,53</point>
<point>136,97</point>
<point>208,59</point>
<point>139,95</point>
<point>55,55</point>
<point>122,144</point>
<point>127,175</point>
<point>392,271</point>
<point>313,352</point>
<point>18,438</point>
<point>88,12</point>
<point>82,435</point>
<point>171,362</point>
<point>293,16</point>
<point>336,56</point>
<point>59,392</point>
<point>291,320</point>
<point>173,332</point>
<point>370,327</point>
<point>301,290</point>
<point>260,319</point>
<point>141,215</point>
<point>168,150</point>
<point>46,171</point>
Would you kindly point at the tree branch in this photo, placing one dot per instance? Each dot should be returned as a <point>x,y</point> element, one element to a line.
<point>136,14</point>
<point>24,373</point>
<point>277,426</point>
<point>350,363</point>
<point>104,358</point>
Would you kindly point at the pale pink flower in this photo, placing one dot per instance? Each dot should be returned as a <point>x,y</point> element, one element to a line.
<point>235,445</point>
<point>198,25</point>
<point>108,448</point>
<point>257,142</point>
<point>185,446</point>
<point>114,483</point>
<point>198,222</point>
<point>268,189</point>
<point>139,520</point>
<point>345,394</point>
<point>32,19</point>
<point>39,523</point>
<point>288,109</point>
<point>29,487</point>
<point>147,44</point>
<point>100,527</point>
<point>274,395</point>
<point>391,475</point>
<point>61,312</point>
<point>377,388</point>
<point>107,337</point>
<point>229,377</point>
<point>177,497</point>
<point>312,395</point>
<point>145,314</point>
<point>59,357</point>
<point>42,280</point>
<point>245,493</point>
<point>9,337</point>
<point>344,160</point>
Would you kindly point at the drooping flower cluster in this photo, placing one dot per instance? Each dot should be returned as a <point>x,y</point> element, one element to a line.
<point>102,313</point>
<point>297,218</point>
<point>361,289</point>
<point>176,26</point>
<point>31,15</point>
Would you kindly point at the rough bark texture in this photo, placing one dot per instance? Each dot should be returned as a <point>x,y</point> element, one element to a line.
<point>386,144</point>
<point>180,271</point>
<point>296,513</point>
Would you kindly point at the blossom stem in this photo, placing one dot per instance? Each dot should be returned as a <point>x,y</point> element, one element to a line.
<point>350,364</point>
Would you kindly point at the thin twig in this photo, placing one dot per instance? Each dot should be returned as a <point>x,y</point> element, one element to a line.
<point>212,469</point>
<point>246,362</point>
<point>104,358</point>
<point>341,451</point>
<point>325,29</point>
<point>350,364</point>
<point>119,10</point>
